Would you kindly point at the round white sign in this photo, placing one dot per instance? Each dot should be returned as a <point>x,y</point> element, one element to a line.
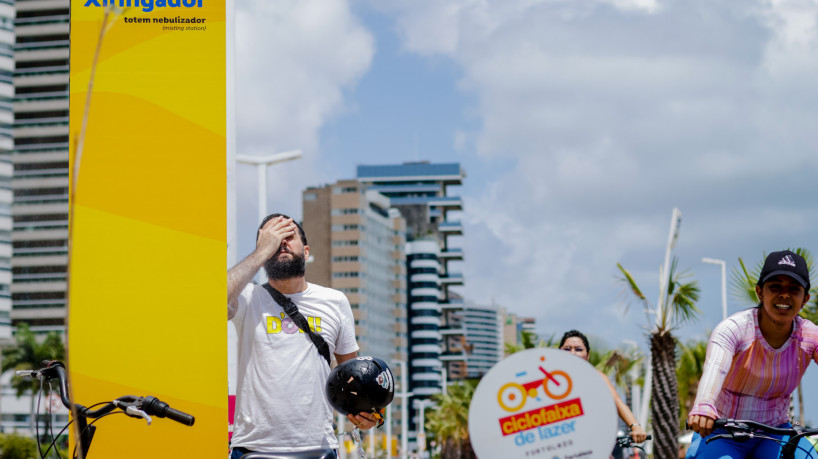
<point>543,403</point>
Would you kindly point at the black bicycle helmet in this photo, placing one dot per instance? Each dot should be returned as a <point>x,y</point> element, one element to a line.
<point>363,384</point>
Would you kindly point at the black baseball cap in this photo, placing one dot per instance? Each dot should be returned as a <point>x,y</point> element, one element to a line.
<point>787,263</point>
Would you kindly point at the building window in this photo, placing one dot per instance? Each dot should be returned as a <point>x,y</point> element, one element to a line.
<point>349,211</point>
<point>345,243</point>
<point>353,227</point>
<point>347,274</point>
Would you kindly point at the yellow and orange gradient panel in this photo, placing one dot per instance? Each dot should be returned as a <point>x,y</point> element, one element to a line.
<point>147,282</point>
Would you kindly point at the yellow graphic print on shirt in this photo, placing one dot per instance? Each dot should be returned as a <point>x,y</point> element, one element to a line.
<point>286,325</point>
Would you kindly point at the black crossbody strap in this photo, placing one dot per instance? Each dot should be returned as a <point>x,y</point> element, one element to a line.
<point>292,310</point>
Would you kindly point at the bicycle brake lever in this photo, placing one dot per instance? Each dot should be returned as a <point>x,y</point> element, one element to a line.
<point>129,405</point>
<point>137,413</point>
<point>28,374</point>
<point>716,437</point>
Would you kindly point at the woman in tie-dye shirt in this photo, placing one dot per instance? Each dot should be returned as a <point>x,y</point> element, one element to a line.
<point>755,359</point>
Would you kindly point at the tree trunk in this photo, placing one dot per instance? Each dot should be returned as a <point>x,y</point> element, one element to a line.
<point>450,449</point>
<point>467,450</point>
<point>665,399</point>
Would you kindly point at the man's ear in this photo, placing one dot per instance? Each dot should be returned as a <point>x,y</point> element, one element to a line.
<point>306,252</point>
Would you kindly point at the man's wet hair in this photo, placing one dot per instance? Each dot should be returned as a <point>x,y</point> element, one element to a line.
<point>576,334</point>
<point>272,216</point>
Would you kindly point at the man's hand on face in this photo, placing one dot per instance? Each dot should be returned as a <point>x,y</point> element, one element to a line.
<point>363,421</point>
<point>273,233</point>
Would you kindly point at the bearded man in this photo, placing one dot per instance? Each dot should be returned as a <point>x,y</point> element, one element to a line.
<point>280,402</point>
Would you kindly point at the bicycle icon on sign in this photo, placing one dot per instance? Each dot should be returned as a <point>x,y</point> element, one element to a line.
<point>556,384</point>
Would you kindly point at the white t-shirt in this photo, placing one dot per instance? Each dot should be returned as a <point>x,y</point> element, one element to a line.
<point>280,401</point>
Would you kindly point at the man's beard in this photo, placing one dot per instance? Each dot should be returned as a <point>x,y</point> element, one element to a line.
<point>286,269</point>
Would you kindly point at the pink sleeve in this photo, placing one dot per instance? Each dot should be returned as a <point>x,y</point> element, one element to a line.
<point>723,345</point>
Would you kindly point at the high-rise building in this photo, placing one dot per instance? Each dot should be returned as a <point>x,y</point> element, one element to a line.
<point>421,191</point>
<point>6,169</point>
<point>483,327</point>
<point>357,242</point>
<point>514,326</point>
<point>425,291</point>
<point>357,246</point>
<point>34,53</point>
<point>40,158</point>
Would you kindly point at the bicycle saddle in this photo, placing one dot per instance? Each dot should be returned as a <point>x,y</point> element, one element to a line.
<point>314,454</point>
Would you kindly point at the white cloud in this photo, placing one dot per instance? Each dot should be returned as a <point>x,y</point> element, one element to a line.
<point>295,59</point>
<point>613,112</point>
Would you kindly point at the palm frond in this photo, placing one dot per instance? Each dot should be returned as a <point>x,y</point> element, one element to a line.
<point>628,278</point>
<point>631,289</point>
<point>680,299</point>
<point>743,283</point>
<point>683,302</point>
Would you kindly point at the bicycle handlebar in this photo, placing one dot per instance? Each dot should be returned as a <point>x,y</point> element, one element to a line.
<point>626,441</point>
<point>131,405</point>
<point>740,429</point>
<point>153,406</point>
<point>736,425</point>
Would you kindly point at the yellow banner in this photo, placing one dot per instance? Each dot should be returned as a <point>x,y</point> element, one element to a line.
<point>147,282</point>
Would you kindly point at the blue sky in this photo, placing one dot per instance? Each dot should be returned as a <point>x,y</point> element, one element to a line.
<point>580,126</point>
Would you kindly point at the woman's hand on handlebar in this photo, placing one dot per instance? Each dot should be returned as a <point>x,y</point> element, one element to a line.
<point>638,434</point>
<point>702,425</point>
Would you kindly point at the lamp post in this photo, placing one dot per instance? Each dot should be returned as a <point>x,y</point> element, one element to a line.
<point>262,162</point>
<point>404,409</point>
<point>389,431</point>
<point>342,448</point>
<point>723,283</point>
<point>421,405</point>
<point>664,280</point>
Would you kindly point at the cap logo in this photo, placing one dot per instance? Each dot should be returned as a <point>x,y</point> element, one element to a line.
<point>787,260</point>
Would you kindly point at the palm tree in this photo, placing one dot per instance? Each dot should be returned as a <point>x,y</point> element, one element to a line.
<point>449,420</point>
<point>688,373</point>
<point>679,300</point>
<point>618,364</point>
<point>28,354</point>
<point>528,341</point>
<point>743,287</point>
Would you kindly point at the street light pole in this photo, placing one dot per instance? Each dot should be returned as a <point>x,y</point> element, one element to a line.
<point>723,283</point>
<point>421,404</point>
<point>664,280</point>
<point>404,409</point>
<point>262,162</point>
<point>389,431</point>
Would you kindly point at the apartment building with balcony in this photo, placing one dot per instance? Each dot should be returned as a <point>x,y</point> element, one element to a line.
<point>40,160</point>
<point>514,326</point>
<point>422,192</point>
<point>357,245</point>
<point>34,139</point>
<point>6,168</point>
<point>483,330</point>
